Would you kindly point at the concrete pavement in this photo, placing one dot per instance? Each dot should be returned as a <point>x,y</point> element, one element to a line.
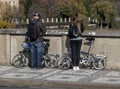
<point>82,79</point>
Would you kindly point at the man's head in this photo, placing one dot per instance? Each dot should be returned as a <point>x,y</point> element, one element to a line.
<point>36,15</point>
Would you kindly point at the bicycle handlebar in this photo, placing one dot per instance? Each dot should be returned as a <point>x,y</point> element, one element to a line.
<point>46,40</point>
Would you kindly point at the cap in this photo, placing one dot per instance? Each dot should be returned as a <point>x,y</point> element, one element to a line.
<point>36,14</point>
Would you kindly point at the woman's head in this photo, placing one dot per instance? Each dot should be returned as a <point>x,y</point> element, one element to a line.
<point>77,18</point>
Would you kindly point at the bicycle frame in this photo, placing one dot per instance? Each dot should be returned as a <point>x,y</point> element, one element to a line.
<point>92,60</point>
<point>20,60</point>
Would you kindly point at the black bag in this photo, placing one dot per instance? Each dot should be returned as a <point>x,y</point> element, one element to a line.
<point>33,31</point>
<point>82,27</point>
<point>73,31</point>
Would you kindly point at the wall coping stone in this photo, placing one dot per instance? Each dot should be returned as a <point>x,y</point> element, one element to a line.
<point>87,33</point>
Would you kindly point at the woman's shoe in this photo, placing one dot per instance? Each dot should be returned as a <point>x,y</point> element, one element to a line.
<point>77,68</point>
<point>74,68</point>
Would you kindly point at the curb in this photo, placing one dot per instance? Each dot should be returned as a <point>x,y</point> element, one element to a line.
<point>54,84</point>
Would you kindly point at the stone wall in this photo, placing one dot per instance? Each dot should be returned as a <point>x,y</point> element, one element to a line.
<point>105,45</point>
<point>5,49</point>
<point>109,47</point>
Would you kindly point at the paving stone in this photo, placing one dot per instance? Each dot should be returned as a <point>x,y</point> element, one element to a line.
<point>65,78</point>
<point>53,74</point>
<point>18,75</point>
<point>80,72</point>
<point>49,74</point>
<point>113,74</point>
<point>5,68</point>
<point>28,70</point>
<point>107,80</point>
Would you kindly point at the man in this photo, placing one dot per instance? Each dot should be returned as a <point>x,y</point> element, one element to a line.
<point>35,31</point>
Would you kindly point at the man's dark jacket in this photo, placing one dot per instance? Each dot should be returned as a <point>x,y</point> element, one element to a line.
<point>40,28</point>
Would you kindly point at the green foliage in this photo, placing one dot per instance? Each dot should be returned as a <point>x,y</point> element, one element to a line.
<point>104,10</point>
<point>21,13</point>
<point>26,4</point>
<point>4,24</point>
<point>69,8</point>
<point>87,5</point>
<point>6,11</point>
<point>116,25</point>
<point>64,11</point>
<point>96,9</point>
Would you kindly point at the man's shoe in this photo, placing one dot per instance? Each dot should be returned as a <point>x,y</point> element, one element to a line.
<point>32,67</point>
<point>39,67</point>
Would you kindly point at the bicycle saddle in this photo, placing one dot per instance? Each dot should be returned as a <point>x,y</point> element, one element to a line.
<point>90,38</point>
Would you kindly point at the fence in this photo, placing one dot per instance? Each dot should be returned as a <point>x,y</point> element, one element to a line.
<point>53,23</point>
<point>49,22</point>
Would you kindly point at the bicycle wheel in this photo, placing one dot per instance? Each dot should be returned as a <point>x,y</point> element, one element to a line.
<point>19,60</point>
<point>64,63</point>
<point>99,62</point>
<point>82,62</point>
<point>50,60</point>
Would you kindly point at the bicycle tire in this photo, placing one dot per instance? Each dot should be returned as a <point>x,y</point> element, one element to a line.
<point>50,60</point>
<point>19,60</point>
<point>99,63</point>
<point>82,60</point>
<point>64,63</point>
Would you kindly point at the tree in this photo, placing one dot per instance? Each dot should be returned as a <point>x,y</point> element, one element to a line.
<point>21,13</point>
<point>64,11</point>
<point>71,6</point>
<point>1,10</point>
<point>104,11</point>
<point>58,7</point>
<point>45,7</point>
<point>7,12</point>
<point>26,4</point>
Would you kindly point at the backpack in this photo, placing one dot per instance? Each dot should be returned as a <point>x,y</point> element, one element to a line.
<point>82,27</point>
<point>73,31</point>
<point>33,31</point>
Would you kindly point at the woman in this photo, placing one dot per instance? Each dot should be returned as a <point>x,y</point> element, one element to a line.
<point>75,41</point>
